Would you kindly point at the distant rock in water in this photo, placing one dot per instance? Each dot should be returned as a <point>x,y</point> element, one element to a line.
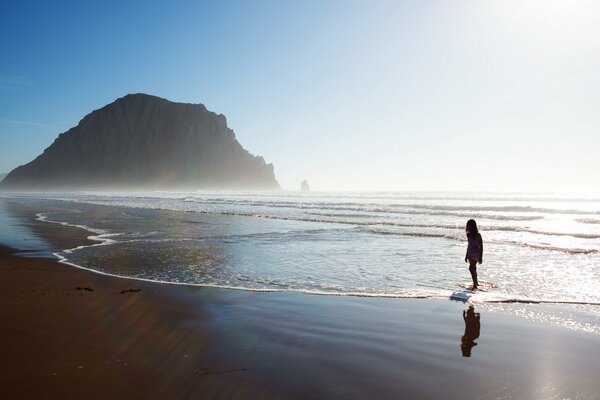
<point>145,142</point>
<point>304,186</point>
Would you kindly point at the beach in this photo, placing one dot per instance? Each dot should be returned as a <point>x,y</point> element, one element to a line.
<point>70,332</point>
<point>176,342</point>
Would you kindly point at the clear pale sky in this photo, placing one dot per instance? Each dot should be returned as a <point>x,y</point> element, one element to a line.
<point>350,95</point>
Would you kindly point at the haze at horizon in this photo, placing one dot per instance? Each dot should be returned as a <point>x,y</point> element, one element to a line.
<point>460,96</point>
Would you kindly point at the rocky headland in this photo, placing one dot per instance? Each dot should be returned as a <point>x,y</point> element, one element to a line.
<point>143,142</point>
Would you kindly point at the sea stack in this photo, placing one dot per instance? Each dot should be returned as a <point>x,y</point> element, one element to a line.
<point>304,186</point>
<point>141,142</point>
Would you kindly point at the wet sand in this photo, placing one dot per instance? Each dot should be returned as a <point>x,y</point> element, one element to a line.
<point>165,341</point>
<point>70,333</point>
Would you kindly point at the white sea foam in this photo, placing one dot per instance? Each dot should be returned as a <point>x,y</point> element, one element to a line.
<point>588,220</point>
<point>440,294</point>
<point>561,249</point>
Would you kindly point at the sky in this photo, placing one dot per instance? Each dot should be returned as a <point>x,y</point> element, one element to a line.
<point>349,95</point>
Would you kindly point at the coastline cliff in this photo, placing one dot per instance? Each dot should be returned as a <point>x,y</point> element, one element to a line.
<point>145,142</point>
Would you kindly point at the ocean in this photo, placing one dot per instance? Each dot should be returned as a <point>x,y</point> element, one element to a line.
<point>537,247</point>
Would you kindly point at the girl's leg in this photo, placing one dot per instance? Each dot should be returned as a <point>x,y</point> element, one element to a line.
<point>473,271</point>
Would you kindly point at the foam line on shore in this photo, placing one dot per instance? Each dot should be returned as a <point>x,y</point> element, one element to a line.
<point>475,298</point>
<point>63,260</point>
<point>534,301</point>
<point>103,237</point>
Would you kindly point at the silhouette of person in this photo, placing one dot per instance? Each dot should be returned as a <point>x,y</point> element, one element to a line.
<point>474,250</point>
<point>472,329</point>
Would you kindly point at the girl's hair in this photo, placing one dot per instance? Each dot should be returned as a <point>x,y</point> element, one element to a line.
<point>471,227</point>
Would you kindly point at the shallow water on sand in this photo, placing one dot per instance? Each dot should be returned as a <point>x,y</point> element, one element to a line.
<point>537,248</point>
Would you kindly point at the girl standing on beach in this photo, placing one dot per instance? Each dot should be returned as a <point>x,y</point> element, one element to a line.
<point>474,249</point>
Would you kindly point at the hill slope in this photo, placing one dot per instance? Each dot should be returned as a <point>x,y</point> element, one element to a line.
<point>145,142</point>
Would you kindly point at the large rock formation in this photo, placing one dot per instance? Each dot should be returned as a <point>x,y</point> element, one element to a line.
<point>2,176</point>
<point>145,142</point>
<point>304,186</point>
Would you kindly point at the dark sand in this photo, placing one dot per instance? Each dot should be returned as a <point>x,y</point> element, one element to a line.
<point>61,342</point>
<point>167,341</point>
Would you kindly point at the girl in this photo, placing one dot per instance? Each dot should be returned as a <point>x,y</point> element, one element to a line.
<point>474,249</point>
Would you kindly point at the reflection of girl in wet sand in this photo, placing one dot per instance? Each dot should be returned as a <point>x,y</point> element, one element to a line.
<point>472,329</point>
<point>474,250</point>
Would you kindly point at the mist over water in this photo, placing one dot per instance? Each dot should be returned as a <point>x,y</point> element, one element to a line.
<point>536,248</point>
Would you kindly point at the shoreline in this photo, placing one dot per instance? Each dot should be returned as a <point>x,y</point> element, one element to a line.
<point>126,338</point>
<point>167,341</point>
<point>97,237</point>
<point>73,333</point>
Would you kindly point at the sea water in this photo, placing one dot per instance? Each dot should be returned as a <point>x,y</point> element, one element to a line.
<point>537,248</point>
